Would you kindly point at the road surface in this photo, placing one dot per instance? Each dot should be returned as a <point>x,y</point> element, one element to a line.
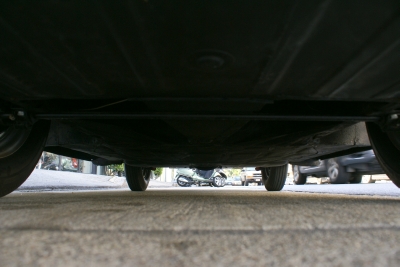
<point>198,227</point>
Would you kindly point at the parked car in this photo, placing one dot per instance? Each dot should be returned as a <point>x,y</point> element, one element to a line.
<point>236,181</point>
<point>202,84</point>
<point>49,161</point>
<point>340,170</point>
<point>250,175</point>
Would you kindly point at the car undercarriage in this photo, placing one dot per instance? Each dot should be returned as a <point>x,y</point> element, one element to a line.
<point>201,84</point>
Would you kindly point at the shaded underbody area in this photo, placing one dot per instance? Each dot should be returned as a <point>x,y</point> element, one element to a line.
<point>200,61</point>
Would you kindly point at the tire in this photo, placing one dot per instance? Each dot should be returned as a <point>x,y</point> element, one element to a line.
<point>298,177</point>
<point>223,181</point>
<point>386,148</point>
<point>12,139</point>
<point>218,181</point>
<point>274,178</point>
<point>356,178</point>
<point>16,168</point>
<point>181,183</point>
<point>137,178</point>
<point>337,173</point>
<point>246,183</point>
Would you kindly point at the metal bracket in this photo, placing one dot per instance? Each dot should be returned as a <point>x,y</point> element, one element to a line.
<point>15,117</point>
<point>190,116</point>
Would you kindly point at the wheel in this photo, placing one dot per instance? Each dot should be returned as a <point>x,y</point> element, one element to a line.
<point>218,181</point>
<point>16,168</point>
<point>182,183</point>
<point>355,178</point>
<point>223,179</point>
<point>246,183</point>
<point>12,138</point>
<point>137,178</point>
<point>336,172</point>
<point>298,177</point>
<point>387,150</point>
<point>274,178</point>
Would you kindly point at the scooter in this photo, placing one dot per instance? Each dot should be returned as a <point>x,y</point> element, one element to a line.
<point>187,177</point>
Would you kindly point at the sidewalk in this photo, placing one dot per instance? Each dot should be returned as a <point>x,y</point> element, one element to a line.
<point>45,180</point>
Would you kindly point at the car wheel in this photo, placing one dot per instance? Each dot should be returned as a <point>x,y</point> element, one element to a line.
<point>16,168</point>
<point>223,181</point>
<point>356,178</point>
<point>387,150</point>
<point>336,172</point>
<point>298,177</point>
<point>218,181</point>
<point>12,138</point>
<point>137,178</point>
<point>274,178</point>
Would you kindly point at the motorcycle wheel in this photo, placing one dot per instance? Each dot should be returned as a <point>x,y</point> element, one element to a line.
<point>182,183</point>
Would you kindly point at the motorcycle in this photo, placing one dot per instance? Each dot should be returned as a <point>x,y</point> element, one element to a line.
<point>187,177</point>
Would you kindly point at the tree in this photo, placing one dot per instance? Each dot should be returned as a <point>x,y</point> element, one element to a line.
<point>232,172</point>
<point>158,172</point>
<point>114,169</point>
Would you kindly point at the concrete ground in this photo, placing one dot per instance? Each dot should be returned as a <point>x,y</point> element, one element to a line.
<point>199,227</point>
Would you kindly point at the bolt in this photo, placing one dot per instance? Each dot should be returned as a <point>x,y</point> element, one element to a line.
<point>394,117</point>
<point>11,117</point>
<point>20,113</point>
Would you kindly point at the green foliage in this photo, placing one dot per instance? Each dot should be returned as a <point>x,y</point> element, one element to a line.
<point>232,172</point>
<point>116,167</point>
<point>158,172</point>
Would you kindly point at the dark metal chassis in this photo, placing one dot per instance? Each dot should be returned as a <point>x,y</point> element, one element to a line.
<point>201,84</point>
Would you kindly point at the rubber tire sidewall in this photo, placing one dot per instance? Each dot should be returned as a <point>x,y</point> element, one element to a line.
<point>16,168</point>
<point>136,179</point>
<point>277,178</point>
<point>184,184</point>
<point>215,184</point>
<point>342,178</point>
<point>302,178</point>
<point>386,152</point>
